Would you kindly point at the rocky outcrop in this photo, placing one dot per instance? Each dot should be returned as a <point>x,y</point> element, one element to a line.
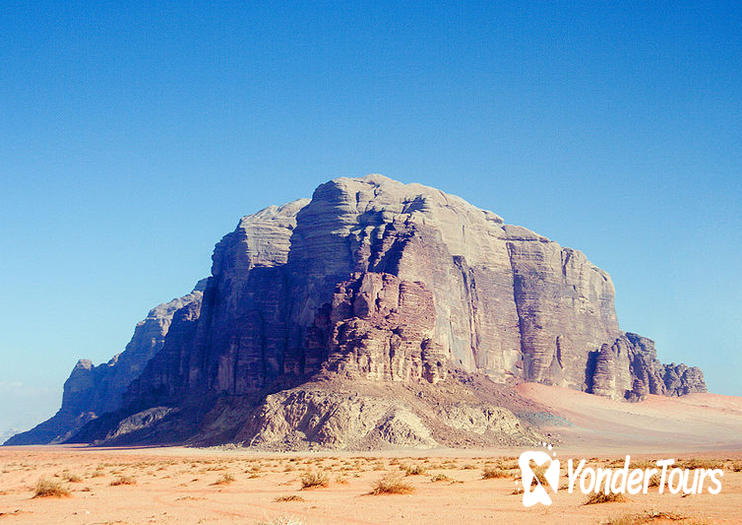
<point>386,282</point>
<point>302,419</point>
<point>94,390</point>
<point>307,418</point>
<point>379,327</point>
<point>629,369</point>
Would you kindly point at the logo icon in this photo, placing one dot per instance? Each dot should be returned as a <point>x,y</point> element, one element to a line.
<point>539,473</point>
<point>538,466</point>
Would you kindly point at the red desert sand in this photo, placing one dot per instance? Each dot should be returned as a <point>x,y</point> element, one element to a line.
<point>232,485</point>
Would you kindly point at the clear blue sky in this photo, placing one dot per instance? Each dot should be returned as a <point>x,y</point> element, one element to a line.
<point>133,138</point>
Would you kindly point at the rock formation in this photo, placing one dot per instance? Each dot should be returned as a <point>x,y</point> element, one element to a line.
<point>377,282</point>
<point>94,390</point>
<point>629,369</point>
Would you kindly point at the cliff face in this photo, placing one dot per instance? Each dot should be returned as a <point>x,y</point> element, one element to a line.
<point>384,281</point>
<point>94,390</point>
<point>629,369</point>
<point>506,301</point>
<point>379,281</point>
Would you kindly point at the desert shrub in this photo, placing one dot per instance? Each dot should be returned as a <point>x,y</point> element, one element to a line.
<point>602,497</point>
<point>123,480</point>
<point>224,479</point>
<point>341,480</point>
<point>292,497</point>
<point>649,517</point>
<point>640,464</point>
<point>494,473</point>
<point>73,478</point>
<point>414,470</point>
<point>509,463</point>
<point>47,488</point>
<point>705,463</point>
<point>313,480</point>
<point>440,477</point>
<point>654,481</point>
<point>391,485</point>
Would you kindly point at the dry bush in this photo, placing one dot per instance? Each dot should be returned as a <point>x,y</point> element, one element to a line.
<point>705,463</point>
<point>494,473</point>
<point>47,488</point>
<point>341,480</point>
<point>313,480</point>
<point>224,479</point>
<point>72,478</point>
<point>414,470</point>
<point>508,464</point>
<point>392,485</point>
<point>641,464</point>
<point>292,497</point>
<point>654,481</point>
<point>602,497</point>
<point>649,517</point>
<point>469,466</point>
<point>123,480</point>
<point>440,477</point>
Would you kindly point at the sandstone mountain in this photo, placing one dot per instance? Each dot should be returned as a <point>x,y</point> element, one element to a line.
<point>378,314</point>
<point>91,391</point>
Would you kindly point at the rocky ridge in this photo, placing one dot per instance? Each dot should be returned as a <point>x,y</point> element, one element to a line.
<point>91,391</point>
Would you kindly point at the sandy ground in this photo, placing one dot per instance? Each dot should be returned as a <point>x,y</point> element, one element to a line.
<point>177,485</point>
<point>182,485</point>
<point>695,422</point>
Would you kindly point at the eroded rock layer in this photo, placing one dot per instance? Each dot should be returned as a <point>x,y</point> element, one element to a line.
<point>629,369</point>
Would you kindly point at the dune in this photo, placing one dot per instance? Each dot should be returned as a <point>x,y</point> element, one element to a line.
<point>695,422</point>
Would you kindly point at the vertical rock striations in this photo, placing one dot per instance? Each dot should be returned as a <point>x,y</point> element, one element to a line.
<point>629,369</point>
<point>382,281</point>
<point>290,291</point>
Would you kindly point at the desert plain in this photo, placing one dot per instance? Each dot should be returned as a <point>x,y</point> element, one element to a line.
<point>89,485</point>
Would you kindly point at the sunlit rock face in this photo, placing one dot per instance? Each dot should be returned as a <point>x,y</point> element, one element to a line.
<point>291,292</point>
<point>375,280</point>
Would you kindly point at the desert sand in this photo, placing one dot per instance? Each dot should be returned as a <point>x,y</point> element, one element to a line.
<point>179,485</point>
<point>236,485</point>
<point>695,422</point>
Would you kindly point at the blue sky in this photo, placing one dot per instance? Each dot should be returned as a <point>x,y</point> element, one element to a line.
<point>134,137</point>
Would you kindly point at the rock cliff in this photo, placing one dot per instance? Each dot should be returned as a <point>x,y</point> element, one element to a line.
<point>94,390</point>
<point>629,369</point>
<point>374,281</point>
